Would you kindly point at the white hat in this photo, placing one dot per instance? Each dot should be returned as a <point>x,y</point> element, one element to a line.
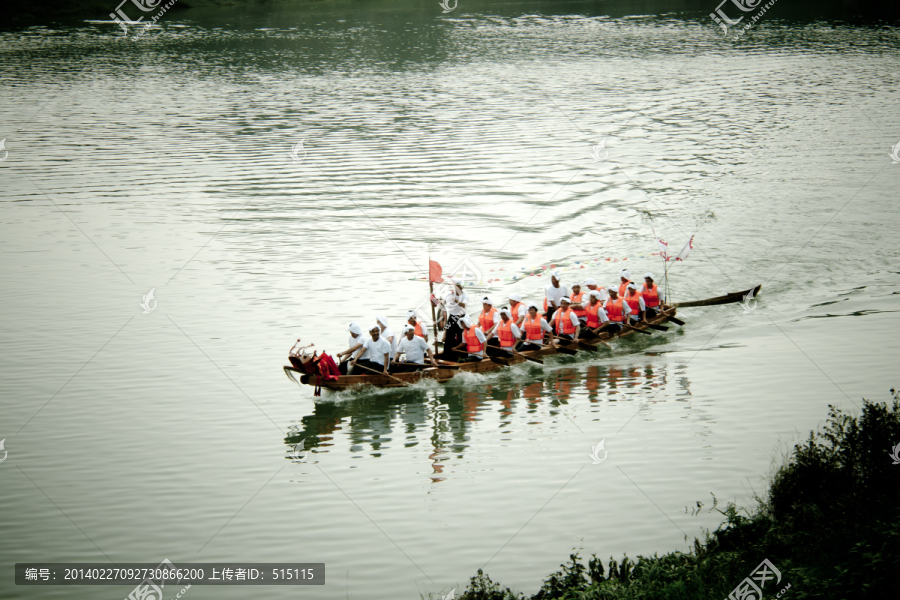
<point>576,284</point>
<point>555,274</point>
<point>589,281</point>
<point>648,276</point>
<point>355,328</point>
<point>410,314</point>
<point>381,319</point>
<point>465,320</point>
<point>457,281</point>
<point>596,294</point>
<point>624,273</point>
<point>505,311</point>
<point>631,286</point>
<point>408,327</point>
<point>487,300</point>
<point>565,299</point>
<point>613,288</point>
<point>534,306</point>
<point>515,297</point>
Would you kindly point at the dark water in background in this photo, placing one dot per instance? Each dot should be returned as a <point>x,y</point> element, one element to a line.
<point>469,132</point>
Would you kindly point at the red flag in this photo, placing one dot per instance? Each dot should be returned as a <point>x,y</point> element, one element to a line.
<point>435,272</point>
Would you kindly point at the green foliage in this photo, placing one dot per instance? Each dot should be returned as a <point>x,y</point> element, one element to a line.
<point>830,524</point>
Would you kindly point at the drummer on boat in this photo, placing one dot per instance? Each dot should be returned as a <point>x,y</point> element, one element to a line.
<point>374,355</point>
<point>534,326</point>
<point>473,341</point>
<point>414,348</point>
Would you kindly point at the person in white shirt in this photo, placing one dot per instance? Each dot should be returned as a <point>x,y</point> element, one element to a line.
<point>630,295</point>
<point>473,343</point>
<point>354,344</point>
<point>388,334</point>
<point>554,292</point>
<point>417,325</point>
<point>504,344</point>
<point>414,349</point>
<point>455,304</point>
<point>537,326</point>
<point>374,354</point>
<point>518,309</point>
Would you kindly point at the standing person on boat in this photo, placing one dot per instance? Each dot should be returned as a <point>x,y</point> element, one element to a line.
<point>565,324</point>
<point>507,336</point>
<point>473,340</point>
<point>375,354</point>
<point>596,316</point>
<point>651,296</point>
<point>355,343</point>
<point>455,303</point>
<point>553,294</point>
<point>488,319</point>
<point>534,326</point>
<point>388,334</point>
<point>625,276</point>
<point>414,348</point>
<point>616,309</point>
<point>579,301</point>
<point>417,325</point>
<point>636,305</point>
<point>517,309</point>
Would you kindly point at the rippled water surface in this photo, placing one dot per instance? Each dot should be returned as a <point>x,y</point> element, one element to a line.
<point>165,163</point>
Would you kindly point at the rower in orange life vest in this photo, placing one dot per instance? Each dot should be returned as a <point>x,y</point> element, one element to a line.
<point>565,324</point>
<point>625,276</point>
<point>596,316</point>
<point>488,319</point>
<point>553,293</point>
<point>517,309</point>
<point>651,296</point>
<point>418,326</point>
<point>635,304</point>
<point>616,309</point>
<point>533,328</point>
<point>473,341</point>
<point>506,336</point>
<point>592,287</point>
<point>579,301</point>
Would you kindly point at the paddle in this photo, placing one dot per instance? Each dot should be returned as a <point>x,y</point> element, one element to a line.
<point>499,361</point>
<point>531,358</point>
<point>657,327</point>
<point>676,321</point>
<point>632,328</point>
<point>589,347</point>
<point>403,383</point>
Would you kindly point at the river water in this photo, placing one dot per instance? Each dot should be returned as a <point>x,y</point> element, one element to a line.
<point>165,163</point>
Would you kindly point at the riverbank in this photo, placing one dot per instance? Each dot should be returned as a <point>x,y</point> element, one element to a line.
<point>829,528</point>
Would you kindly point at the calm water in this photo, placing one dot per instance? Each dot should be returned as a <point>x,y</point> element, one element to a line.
<point>166,163</point>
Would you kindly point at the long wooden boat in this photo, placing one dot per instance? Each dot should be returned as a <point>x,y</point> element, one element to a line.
<point>447,370</point>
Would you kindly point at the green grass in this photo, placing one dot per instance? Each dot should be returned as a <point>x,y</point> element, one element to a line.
<point>830,523</point>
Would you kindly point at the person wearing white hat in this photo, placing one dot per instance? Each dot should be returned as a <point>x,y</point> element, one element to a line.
<point>473,341</point>
<point>388,334</point>
<point>625,277</point>
<point>414,349</point>
<point>506,336</point>
<point>553,294</point>
<point>517,309</point>
<point>566,325</point>
<point>636,306</point>
<point>374,355</point>
<point>578,302</point>
<point>591,285</point>
<point>455,308</point>
<point>651,296</point>
<point>534,327</point>
<point>596,316</point>
<point>417,325</point>
<point>488,318</point>
<point>355,343</point>
<point>616,309</point>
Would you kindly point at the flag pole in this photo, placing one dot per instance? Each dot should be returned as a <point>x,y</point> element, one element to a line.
<point>430,296</point>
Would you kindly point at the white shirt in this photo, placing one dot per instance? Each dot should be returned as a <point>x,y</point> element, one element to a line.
<point>481,339</point>
<point>424,329</point>
<point>554,294</point>
<point>452,302</point>
<point>375,351</point>
<point>387,333</point>
<point>522,310</point>
<point>414,349</point>
<point>355,340</point>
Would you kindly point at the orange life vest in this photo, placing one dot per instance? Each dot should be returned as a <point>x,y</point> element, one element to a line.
<point>634,303</point>
<point>486,321</point>
<point>593,317</point>
<point>545,306</point>
<point>564,321</point>
<point>614,310</point>
<point>420,331</point>
<point>473,346</point>
<point>504,332</point>
<point>576,298</point>
<point>533,331</point>
<point>515,311</point>
<point>651,296</point>
<point>623,288</point>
